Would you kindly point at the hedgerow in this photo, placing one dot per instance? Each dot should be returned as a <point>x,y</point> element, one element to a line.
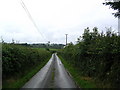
<point>96,55</point>
<point>17,59</point>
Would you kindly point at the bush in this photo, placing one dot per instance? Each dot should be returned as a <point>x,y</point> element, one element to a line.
<point>96,55</point>
<point>18,59</point>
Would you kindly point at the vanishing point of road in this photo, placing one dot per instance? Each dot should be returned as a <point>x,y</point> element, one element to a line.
<point>52,75</point>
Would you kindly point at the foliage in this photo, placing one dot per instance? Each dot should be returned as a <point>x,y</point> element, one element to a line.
<point>96,55</point>
<point>18,59</point>
<point>114,5</point>
<point>81,82</point>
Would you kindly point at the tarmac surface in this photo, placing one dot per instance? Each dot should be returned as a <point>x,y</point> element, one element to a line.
<point>52,75</point>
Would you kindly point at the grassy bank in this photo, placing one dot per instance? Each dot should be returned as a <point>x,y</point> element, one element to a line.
<point>81,81</point>
<point>21,63</point>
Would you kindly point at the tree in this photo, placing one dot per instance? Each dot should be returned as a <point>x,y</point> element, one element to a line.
<point>2,40</point>
<point>114,4</point>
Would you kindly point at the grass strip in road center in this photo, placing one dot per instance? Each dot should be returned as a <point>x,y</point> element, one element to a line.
<point>53,73</point>
<point>81,81</point>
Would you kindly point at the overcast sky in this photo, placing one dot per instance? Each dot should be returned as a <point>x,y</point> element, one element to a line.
<point>54,19</point>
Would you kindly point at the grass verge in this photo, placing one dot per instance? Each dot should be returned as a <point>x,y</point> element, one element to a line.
<point>81,81</point>
<point>19,82</point>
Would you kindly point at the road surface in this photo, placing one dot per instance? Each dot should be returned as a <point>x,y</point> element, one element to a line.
<point>52,75</point>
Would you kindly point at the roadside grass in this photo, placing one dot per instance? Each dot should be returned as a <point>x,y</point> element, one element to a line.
<point>81,81</point>
<point>19,82</point>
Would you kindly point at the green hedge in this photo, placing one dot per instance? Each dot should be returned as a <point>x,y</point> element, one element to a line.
<point>16,59</point>
<point>97,56</point>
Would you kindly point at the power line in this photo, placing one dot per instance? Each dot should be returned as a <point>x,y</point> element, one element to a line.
<point>31,18</point>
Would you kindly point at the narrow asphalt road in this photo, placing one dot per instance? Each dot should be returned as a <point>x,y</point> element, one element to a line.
<point>52,75</point>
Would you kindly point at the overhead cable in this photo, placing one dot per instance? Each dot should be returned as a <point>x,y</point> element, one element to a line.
<point>31,18</point>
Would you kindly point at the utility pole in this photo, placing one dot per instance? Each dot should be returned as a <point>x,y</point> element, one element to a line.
<point>48,44</point>
<point>66,39</point>
<point>118,25</point>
